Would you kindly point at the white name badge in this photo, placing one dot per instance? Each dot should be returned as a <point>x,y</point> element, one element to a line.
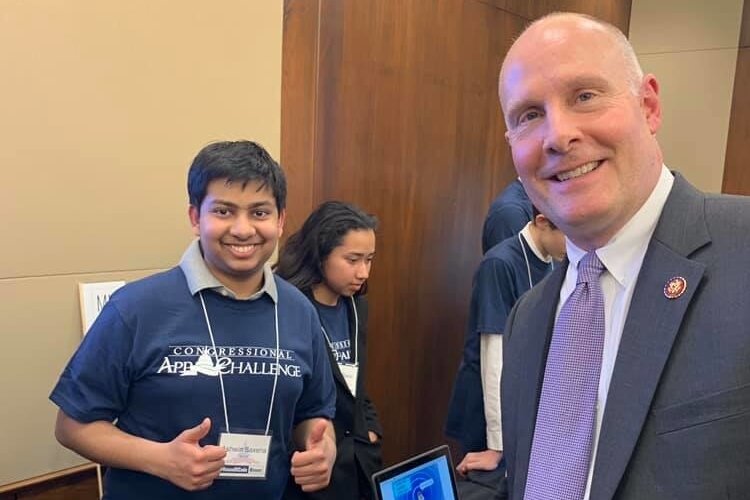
<point>350,375</point>
<point>247,455</point>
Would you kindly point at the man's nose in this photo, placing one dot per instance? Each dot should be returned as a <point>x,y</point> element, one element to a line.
<point>561,131</point>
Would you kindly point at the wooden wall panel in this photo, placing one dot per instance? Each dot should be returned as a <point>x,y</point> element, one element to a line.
<point>76,488</point>
<point>409,127</point>
<point>736,170</point>
<point>615,12</point>
<point>77,483</point>
<point>745,29</point>
<point>299,71</point>
<point>407,124</point>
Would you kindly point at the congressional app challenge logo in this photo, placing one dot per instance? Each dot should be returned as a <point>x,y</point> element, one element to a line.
<point>194,360</point>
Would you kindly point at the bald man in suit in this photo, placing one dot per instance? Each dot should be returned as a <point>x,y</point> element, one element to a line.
<point>672,412</point>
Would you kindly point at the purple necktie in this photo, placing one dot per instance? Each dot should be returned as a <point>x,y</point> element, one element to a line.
<point>564,431</point>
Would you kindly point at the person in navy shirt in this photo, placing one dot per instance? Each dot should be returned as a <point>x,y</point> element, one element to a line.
<point>506,272</point>
<point>217,348</point>
<point>329,259</point>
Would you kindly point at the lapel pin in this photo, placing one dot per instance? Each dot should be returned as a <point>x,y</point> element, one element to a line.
<point>675,287</point>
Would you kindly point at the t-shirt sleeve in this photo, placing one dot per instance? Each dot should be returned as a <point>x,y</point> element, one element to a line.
<point>94,384</point>
<point>493,287</point>
<point>319,393</point>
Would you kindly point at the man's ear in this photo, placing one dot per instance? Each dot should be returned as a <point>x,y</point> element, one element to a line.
<point>650,102</point>
<point>282,219</point>
<point>541,221</point>
<point>194,215</point>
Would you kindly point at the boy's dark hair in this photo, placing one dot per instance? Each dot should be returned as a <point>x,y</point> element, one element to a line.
<point>235,161</point>
<point>301,258</point>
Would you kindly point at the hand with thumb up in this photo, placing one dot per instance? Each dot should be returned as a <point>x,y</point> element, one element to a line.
<point>312,466</point>
<point>188,464</point>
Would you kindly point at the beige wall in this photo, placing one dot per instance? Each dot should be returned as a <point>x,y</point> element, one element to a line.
<point>691,47</point>
<point>102,107</point>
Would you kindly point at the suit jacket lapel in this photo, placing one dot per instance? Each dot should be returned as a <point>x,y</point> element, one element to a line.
<point>650,329</point>
<point>534,355</point>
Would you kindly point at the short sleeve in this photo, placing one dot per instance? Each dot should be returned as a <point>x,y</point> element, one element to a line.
<point>494,295</point>
<point>94,385</point>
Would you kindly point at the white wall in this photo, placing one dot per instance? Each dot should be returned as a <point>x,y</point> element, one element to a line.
<point>691,47</point>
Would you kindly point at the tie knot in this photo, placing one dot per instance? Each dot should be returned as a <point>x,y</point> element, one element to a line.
<point>589,268</point>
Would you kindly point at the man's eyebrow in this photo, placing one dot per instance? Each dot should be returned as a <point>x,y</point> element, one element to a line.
<point>516,105</point>
<point>583,81</point>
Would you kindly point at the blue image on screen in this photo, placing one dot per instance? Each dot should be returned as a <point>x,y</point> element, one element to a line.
<point>425,483</point>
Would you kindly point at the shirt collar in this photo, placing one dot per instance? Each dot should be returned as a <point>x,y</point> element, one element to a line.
<point>628,247</point>
<point>199,277</point>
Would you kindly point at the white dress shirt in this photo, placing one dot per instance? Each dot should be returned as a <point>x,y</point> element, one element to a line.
<point>622,257</point>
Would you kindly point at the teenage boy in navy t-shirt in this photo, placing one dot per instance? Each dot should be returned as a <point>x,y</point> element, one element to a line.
<point>215,350</point>
<point>506,272</point>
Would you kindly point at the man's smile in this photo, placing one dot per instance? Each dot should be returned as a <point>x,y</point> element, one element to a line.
<point>579,171</point>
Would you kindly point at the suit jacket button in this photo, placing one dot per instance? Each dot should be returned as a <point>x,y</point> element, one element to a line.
<point>347,433</point>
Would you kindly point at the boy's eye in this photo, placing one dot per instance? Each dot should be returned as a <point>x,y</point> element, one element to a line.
<point>220,211</point>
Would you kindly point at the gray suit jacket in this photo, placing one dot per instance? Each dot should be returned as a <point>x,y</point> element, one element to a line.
<point>677,419</point>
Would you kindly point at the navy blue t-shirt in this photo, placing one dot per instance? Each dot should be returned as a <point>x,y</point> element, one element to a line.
<point>499,282</point>
<point>148,362</point>
<point>335,320</point>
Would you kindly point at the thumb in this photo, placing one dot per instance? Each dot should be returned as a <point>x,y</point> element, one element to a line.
<point>317,432</point>
<point>196,433</point>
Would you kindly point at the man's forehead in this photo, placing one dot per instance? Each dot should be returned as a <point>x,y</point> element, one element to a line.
<point>561,54</point>
<point>558,28</point>
<point>555,34</point>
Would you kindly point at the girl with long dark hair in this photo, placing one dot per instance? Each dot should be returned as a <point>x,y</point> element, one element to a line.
<point>329,260</point>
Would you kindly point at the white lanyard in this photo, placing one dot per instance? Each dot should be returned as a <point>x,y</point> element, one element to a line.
<point>356,333</point>
<point>526,258</point>
<point>221,379</point>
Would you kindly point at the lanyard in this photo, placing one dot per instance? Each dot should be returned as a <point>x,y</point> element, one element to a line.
<point>526,258</point>
<point>221,378</point>
<point>356,332</point>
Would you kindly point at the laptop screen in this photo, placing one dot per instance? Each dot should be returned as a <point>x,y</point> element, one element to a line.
<point>426,477</point>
